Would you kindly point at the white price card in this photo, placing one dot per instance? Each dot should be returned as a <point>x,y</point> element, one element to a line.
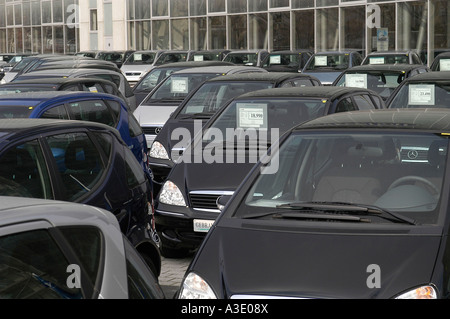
<point>376,60</point>
<point>252,115</point>
<point>179,85</point>
<point>356,80</point>
<point>444,65</point>
<point>275,59</point>
<point>320,60</point>
<point>421,94</point>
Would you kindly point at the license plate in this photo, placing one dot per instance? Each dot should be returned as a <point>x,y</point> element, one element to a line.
<point>202,225</point>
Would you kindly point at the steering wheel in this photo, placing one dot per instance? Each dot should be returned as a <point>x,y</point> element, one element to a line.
<point>411,179</point>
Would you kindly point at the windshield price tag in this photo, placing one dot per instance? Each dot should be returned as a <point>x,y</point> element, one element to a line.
<point>251,115</point>
<point>444,64</point>
<point>320,60</point>
<point>356,80</point>
<point>275,59</point>
<point>421,94</point>
<point>376,60</point>
<point>179,85</point>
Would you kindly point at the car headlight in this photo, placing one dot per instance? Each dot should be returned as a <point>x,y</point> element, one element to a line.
<point>195,287</point>
<point>158,151</point>
<point>171,195</point>
<point>423,292</point>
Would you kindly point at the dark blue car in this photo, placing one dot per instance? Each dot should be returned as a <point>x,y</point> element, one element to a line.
<point>87,106</point>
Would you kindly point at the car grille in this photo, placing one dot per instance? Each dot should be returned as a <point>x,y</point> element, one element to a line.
<point>132,73</point>
<point>206,200</point>
<point>151,130</point>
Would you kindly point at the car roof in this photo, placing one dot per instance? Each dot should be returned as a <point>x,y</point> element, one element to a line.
<point>385,67</point>
<point>430,76</point>
<point>323,92</point>
<point>214,69</point>
<point>36,98</point>
<point>15,210</point>
<point>336,52</point>
<point>260,76</point>
<point>430,119</point>
<point>391,52</point>
<point>192,64</point>
<point>57,81</point>
<point>66,72</point>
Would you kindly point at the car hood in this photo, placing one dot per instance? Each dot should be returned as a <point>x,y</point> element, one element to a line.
<point>326,77</point>
<point>314,264</point>
<point>154,115</point>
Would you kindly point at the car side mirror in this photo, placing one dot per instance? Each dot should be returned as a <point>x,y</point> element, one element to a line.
<point>222,201</point>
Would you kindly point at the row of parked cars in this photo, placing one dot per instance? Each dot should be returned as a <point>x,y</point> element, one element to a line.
<point>358,168</point>
<point>215,122</point>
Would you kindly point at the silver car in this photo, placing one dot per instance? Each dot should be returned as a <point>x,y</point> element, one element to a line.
<point>138,64</point>
<point>61,250</point>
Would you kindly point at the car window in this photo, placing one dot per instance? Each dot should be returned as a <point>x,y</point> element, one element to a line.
<point>87,245</point>
<point>23,172</point>
<point>134,126</point>
<point>79,163</point>
<point>142,284</point>
<point>58,112</point>
<point>105,142</point>
<point>71,87</point>
<point>93,111</point>
<point>363,102</point>
<point>92,87</point>
<point>345,105</point>
<point>32,266</point>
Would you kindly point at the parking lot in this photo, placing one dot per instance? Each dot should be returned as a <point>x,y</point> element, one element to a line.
<point>172,273</point>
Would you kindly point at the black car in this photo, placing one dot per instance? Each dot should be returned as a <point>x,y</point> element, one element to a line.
<point>383,78</point>
<point>204,102</point>
<point>155,76</point>
<point>208,55</point>
<point>118,57</point>
<point>227,147</point>
<point>430,90</point>
<point>393,57</point>
<point>351,213</point>
<point>81,162</point>
<point>287,61</point>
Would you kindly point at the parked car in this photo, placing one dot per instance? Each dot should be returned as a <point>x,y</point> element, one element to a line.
<point>156,75</point>
<point>81,162</point>
<point>393,57</point>
<point>202,104</point>
<point>383,78</point>
<point>441,62</point>
<point>172,56</point>
<point>138,64</point>
<point>208,55</point>
<point>116,77</point>
<point>116,56</point>
<point>95,85</point>
<point>287,61</point>
<point>343,217</point>
<point>14,60</point>
<point>86,106</point>
<point>225,149</point>
<point>428,90</point>
<point>327,66</point>
<point>247,57</point>
<point>156,108</point>
<point>74,252</point>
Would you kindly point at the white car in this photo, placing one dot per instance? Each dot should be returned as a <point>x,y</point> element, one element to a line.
<point>138,64</point>
<point>61,250</point>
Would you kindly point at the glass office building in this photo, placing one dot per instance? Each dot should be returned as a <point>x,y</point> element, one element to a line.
<point>318,25</point>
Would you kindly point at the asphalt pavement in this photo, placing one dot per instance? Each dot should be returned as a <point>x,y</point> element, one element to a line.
<point>172,273</point>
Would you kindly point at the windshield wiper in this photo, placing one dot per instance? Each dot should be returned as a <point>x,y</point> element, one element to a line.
<point>349,208</point>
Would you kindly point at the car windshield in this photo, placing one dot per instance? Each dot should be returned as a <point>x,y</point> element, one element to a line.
<point>205,57</point>
<point>250,59</point>
<point>141,58</point>
<point>213,95</point>
<point>15,111</point>
<point>264,117</point>
<point>389,59</point>
<point>284,59</point>
<point>329,61</point>
<point>171,58</point>
<point>177,87</point>
<point>153,78</point>
<point>419,95</point>
<point>384,83</point>
<point>444,64</point>
<point>335,174</point>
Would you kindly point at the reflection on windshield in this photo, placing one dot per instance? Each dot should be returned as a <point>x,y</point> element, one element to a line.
<point>398,173</point>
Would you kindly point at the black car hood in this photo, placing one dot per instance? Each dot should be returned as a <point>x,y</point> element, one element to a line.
<point>261,260</point>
